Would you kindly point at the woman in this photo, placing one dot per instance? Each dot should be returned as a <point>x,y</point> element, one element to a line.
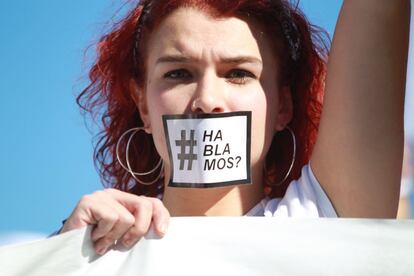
<point>203,57</point>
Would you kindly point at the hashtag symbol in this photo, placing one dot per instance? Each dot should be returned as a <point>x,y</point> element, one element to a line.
<point>183,144</point>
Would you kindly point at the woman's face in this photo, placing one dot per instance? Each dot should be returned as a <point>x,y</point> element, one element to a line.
<point>198,64</point>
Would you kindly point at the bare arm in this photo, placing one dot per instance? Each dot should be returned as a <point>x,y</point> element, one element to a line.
<point>358,155</point>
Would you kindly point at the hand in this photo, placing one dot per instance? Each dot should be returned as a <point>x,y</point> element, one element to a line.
<point>118,216</point>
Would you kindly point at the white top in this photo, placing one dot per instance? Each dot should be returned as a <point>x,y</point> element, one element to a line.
<point>303,198</point>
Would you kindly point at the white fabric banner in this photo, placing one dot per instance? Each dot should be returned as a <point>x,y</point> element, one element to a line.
<point>230,246</point>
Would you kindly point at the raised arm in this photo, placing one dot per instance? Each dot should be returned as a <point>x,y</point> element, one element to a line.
<point>358,155</point>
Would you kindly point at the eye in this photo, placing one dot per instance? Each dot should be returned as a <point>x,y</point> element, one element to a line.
<point>179,74</point>
<point>239,76</point>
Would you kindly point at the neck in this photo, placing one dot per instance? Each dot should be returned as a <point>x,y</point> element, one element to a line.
<point>233,200</point>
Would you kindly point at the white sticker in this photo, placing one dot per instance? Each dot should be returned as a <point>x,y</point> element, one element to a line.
<point>208,150</point>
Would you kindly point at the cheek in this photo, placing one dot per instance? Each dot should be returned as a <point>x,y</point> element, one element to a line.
<point>161,103</point>
<point>163,100</point>
<point>263,106</point>
<point>262,129</point>
<point>264,115</point>
<point>157,106</point>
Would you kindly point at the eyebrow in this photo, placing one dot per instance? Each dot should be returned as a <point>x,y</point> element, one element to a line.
<point>230,60</point>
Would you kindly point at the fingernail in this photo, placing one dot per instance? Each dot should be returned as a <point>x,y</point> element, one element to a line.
<point>127,242</point>
<point>101,250</point>
<point>163,228</point>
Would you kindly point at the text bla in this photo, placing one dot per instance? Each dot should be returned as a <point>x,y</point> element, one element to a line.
<point>216,150</point>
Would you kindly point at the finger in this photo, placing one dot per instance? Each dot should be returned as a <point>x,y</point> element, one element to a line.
<point>143,216</point>
<point>104,212</point>
<point>123,224</point>
<point>87,212</point>
<point>128,200</point>
<point>106,218</point>
<point>160,216</point>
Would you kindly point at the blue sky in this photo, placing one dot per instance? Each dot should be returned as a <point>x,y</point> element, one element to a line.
<point>46,152</point>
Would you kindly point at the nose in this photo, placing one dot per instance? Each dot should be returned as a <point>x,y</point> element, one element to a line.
<point>209,96</point>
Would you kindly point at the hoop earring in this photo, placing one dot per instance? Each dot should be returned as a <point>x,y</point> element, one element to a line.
<point>128,167</point>
<point>293,157</point>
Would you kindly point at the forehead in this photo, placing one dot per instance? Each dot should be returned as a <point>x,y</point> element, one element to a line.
<point>192,32</point>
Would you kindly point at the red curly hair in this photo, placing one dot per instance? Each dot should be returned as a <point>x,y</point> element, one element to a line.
<point>120,57</point>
